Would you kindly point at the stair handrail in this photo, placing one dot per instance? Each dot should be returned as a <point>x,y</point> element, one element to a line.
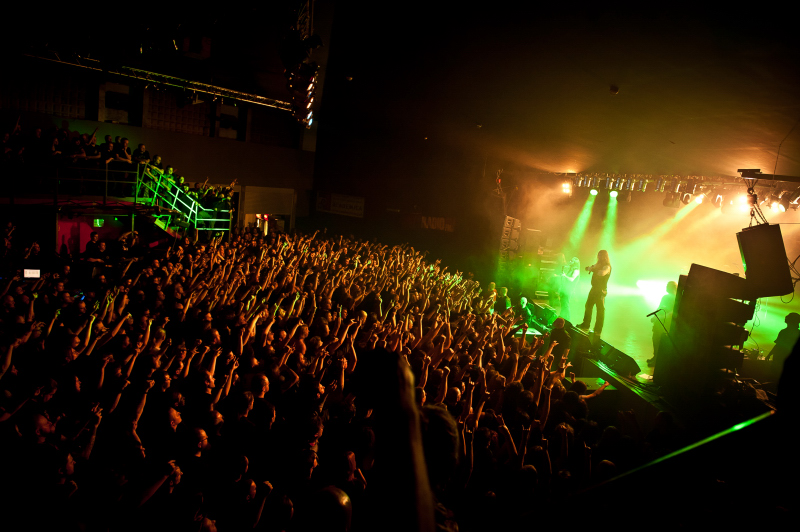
<point>174,194</point>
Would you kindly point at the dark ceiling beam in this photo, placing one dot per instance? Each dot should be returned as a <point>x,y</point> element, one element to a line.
<point>755,173</point>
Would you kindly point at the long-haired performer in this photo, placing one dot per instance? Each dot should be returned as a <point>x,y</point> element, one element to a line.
<point>601,271</point>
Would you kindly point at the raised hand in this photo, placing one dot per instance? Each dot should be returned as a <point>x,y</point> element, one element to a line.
<point>97,414</point>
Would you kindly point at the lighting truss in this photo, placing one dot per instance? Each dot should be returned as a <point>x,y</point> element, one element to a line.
<point>166,80</point>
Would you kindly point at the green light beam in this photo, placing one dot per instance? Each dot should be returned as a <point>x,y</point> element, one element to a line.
<point>579,227</point>
<point>608,234</point>
<point>636,248</point>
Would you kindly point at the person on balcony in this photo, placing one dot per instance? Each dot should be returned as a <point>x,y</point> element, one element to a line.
<point>141,156</point>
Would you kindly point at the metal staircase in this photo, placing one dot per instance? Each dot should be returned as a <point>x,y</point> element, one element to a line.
<point>156,189</point>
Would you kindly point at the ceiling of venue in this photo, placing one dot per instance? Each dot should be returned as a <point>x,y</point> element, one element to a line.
<point>612,89</point>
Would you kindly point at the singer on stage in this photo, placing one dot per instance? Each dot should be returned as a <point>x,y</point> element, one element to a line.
<point>601,271</point>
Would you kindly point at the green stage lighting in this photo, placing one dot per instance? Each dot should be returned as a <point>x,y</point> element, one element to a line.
<point>652,291</point>
<point>593,192</point>
<point>613,193</point>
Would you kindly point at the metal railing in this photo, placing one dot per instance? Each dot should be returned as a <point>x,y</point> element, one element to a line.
<point>142,183</point>
<point>170,194</point>
<point>106,180</point>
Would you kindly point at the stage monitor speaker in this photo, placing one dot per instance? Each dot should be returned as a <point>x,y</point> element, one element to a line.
<point>618,361</point>
<point>766,267</point>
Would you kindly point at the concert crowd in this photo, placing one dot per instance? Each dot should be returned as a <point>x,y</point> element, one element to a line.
<point>286,382</point>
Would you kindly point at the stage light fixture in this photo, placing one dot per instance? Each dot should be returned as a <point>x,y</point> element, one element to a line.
<point>642,185</point>
<point>610,183</point>
<point>613,193</point>
<point>686,198</point>
<point>773,201</point>
<point>630,184</point>
<point>700,198</point>
<point>675,186</point>
<point>661,184</point>
<point>578,181</point>
<point>742,202</point>
<point>671,200</point>
<point>717,202</point>
<point>593,192</point>
<point>793,198</point>
<point>595,182</point>
<point>621,183</point>
<point>566,187</point>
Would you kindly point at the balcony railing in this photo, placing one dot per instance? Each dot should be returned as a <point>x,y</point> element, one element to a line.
<point>141,184</point>
<point>164,192</point>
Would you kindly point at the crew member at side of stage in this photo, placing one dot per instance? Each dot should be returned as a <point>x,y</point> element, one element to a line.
<point>601,271</point>
<point>569,278</point>
<point>664,313</point>
<point>525,310</point>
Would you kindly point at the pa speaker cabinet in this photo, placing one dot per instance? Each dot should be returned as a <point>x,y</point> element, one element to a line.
<point>618,361</point>
<point>764,259</point>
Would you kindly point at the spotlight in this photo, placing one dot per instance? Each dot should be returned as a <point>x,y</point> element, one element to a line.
<point>791,199</point>
<point>595,182</point>
<point>671,200</point>
<point>613,193</point>
<point>661,184</point>
<point>700,198</point>
<point>642,185</point>
<point>610,183</point>
<point>630,184</point>
<point>686,198</point>
<point>785,200</point>
<point>774,203</point>
<point>566,187</point>
<point>593,192</point>
<point>621,183</point>
<point>743,202</point>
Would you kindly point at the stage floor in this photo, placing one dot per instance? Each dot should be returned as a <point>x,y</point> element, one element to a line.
<point>629,330</point>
